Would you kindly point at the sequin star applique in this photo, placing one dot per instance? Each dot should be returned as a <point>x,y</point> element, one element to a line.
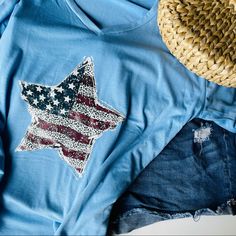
<point>67,117</point>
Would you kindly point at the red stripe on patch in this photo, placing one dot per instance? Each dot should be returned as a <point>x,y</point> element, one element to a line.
<point>71,133</point>
<point>91,103</point>
<point>88,121</point>
<point>86,100</point>
<point>71,154</point>
<point>68,153</point>
<point>36,139</point>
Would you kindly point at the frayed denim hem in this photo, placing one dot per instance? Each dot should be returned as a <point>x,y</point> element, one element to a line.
<point>140,217</point>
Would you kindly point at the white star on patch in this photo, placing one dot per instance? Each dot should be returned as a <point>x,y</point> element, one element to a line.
<point>35,102</point>
<point>56,102</point>
<point>29,92</point>
<point>67,99</point>
<point>63,111</point>
<point>71,86</point>
<point>42,97</point>
<point>53,94</point>
<point>49,107</point>
<point>39,89</point>
<point>59,89</point>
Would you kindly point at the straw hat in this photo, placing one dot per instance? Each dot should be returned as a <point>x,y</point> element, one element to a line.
<point>202,35</point>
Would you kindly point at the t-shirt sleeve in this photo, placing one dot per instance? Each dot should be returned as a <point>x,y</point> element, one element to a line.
<point>6,9</point>
<point>220,106</point>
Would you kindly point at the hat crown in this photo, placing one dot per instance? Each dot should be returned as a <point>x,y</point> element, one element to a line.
<point>201,34</point>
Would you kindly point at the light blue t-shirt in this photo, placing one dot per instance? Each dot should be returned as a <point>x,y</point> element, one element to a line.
<point>87,87</point>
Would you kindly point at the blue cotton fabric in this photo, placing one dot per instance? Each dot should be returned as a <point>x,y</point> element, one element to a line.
<point>41,42</point>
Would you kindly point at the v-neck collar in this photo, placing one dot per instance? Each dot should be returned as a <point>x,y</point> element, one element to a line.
<point>113,29</point>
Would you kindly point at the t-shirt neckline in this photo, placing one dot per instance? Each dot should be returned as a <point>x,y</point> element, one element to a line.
<point>114,29</point>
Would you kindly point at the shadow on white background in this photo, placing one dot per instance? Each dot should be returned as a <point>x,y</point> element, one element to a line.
<point>207,225</point>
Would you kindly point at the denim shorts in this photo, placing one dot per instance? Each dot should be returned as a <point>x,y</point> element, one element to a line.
<point>194,175</point>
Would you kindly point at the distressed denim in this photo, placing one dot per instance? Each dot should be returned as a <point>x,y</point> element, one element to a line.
<point>194,175</point>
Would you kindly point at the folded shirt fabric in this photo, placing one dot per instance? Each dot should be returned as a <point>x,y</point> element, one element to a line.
<point>194,175</point>
<point>89,96</point>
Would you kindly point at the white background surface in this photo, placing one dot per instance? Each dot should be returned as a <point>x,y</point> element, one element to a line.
<point>207,225</point>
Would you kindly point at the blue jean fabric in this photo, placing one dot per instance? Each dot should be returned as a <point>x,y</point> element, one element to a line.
<point>194,175</point>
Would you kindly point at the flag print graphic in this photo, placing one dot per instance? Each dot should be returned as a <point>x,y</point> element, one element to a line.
<point>68,116</point>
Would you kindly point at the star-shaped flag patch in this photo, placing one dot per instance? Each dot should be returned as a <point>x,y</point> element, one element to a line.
<point>68,116</point>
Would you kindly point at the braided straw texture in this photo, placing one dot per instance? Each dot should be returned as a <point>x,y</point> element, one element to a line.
<point>201,34</point>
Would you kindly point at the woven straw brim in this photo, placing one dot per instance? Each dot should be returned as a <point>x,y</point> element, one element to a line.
<point>201,35</point>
